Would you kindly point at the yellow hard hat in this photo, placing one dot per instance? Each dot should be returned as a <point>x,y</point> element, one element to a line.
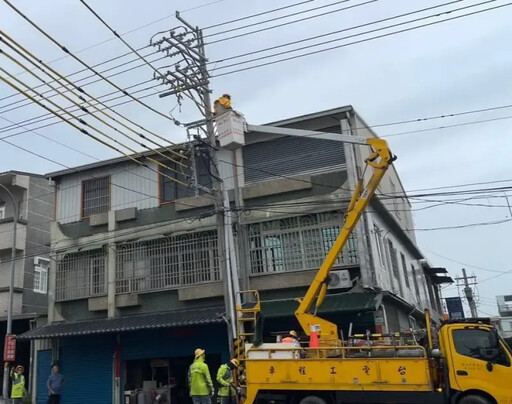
<point>198,352</point>
<point>235,362</point>
<point>293,333</point>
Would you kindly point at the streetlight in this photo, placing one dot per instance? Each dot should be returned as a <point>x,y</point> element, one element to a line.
<point>5,387</point>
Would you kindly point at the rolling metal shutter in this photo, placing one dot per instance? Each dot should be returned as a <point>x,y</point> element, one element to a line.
<point>44,362</point>
<point>87,365</point>
<point>289,156</point>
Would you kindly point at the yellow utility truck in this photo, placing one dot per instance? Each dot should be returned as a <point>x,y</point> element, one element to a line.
<point>457,363</point>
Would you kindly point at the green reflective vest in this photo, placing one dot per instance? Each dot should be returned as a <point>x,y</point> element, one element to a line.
<point>225,380</point>
<point>18,386</point>
<point>199,378</point>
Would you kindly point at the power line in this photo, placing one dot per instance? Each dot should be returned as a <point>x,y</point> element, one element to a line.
<point>311,38</point>
<point>64,49</point>
<point>287,23</point>
<point>360,41</point>
<point>257,14</point>
<point>84,109</point>
<point>355,35</point>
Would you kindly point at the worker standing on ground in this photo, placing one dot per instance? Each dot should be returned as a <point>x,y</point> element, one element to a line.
<point>18,391</point>
<point>199,380</point>
<point>227,390</point>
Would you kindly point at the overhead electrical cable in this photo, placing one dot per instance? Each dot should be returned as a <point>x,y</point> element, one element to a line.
<point>359,41</point>
<point>85,132</point>
<point>158,74</point>
<point>436,15</point>
<point>64,49</point>
<point>84,109</point>
<point>289,22</point>
<point>81,90</point>
<point>220,24</point>
<point>311,38</point>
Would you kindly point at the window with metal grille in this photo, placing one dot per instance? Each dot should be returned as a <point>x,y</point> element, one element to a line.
<point>297,243</point>
<point>406,272</point>
<point>41,267</point>
<point>81,275</point>
<point>167,262</point>
<point>95,196</point>
<point>416,285</point>
<point>394,265</point>
<point>171,190</point>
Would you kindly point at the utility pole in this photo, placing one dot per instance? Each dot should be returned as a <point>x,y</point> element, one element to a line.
<point>5,386</point>
<point>466,282</point>
<point>188,78</point>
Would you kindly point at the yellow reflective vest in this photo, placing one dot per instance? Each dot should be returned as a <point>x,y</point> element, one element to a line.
<point>18,385</point>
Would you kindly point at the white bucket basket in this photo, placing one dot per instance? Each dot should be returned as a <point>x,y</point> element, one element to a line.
<point>231,130</point>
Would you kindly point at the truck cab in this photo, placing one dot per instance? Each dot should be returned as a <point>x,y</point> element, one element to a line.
<point>478,362</point>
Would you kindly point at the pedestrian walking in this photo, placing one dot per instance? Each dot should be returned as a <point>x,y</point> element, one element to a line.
<point>55,384</point>
<point>227,390</point>
<point>199,380</point>
<point>18,391</point>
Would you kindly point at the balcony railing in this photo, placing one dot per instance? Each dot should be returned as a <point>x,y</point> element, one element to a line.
<point>297,243</point>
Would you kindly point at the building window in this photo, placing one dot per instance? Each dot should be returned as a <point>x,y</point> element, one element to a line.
<point>406,272</point>
<point>171,189</point>
<point>416,285</point>
<point>95,196</point>
<point>81,275</point>
<point>41,267</point>
<point>167,262</point>
<point>394,265</point>
<point>378,240</point>
<point>298,243</point>
<point>2,210</point>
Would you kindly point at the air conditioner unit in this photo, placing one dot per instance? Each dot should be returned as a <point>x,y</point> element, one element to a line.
<point>41,262</point>
<point>340,279</point>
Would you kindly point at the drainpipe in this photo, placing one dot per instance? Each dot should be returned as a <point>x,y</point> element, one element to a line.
<point>5,386</point>
<point>32,325</point>
<point>385,315</point>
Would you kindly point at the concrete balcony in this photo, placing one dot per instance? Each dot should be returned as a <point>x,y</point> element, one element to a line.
<point>6,230</point>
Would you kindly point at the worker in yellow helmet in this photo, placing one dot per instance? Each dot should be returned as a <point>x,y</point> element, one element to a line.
<point>227,390</point>
<point>222,104</point>
<point>291,338</point>
<point>199,380</point>
<point>18,391</point>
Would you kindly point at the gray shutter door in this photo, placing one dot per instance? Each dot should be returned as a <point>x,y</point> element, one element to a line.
<point>291,156</point>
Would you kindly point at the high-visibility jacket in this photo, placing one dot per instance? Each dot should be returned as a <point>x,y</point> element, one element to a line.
<point>289,340</point>
<point>225,380</point>
<point>199,378</point>
<point>18,385</point>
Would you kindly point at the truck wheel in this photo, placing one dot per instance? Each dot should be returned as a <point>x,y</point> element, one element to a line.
<point>313,400</point>
<point>473,399</point>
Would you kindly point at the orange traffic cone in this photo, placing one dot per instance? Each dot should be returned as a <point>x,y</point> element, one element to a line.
<point>313,337</point>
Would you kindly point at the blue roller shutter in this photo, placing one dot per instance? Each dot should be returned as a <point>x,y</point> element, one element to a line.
<point>87,365</point>
<point>44,361</point>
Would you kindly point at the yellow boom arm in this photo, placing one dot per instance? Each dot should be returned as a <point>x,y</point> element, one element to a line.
<point>379,160</point>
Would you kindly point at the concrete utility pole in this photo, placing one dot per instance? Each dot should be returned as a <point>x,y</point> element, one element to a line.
<point>5,385</point>
<point>189,78</point>
<point>466,282</point>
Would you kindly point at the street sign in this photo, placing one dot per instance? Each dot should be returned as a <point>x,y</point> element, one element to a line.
<point>10,348</point>
<point>455,308</point>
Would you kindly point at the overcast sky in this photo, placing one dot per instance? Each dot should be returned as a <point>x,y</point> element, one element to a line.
<point>457,66</point>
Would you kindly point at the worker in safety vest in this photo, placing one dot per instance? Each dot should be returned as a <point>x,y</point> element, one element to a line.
<point>227,390</point>
<point>199,380</point>
<point>291,338</point>
<point>18,385</point>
